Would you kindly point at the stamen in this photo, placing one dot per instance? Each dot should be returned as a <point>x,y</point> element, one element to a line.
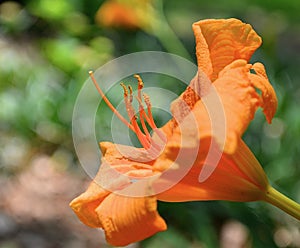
<point>148,103</point>
<point>124,89</point>
<point>140,81</point>
<point>130,90</point>
<point>141,108</point>
<point>131,114</point>
<point>151,120</point>
<point>144,137</point>
<point>141,113</point>
<point>113,109</point>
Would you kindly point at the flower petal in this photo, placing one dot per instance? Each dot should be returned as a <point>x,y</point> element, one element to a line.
<point>114,174</point>
<point>130,14</point>
<point>239,99</point>
<point>129,213</point>
<point>232,97</point>
<point>236,177</point>
<point>247,163</point>
<point>220,42</point>
<point>261,82</point>
<point>226,109</point>
<point>199,86</point>
<point>236,87</point>
<point>84,205</point>
<point>115,14</point>
<point>129,219</point>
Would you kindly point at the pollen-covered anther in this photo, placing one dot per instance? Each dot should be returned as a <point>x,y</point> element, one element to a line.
<point>140,81</point>
<point>124,89</point>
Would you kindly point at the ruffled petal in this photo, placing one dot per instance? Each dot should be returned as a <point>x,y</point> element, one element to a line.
<point>118,201</point>
<point>260,81</point>
<point>237,88</point>
<point>129,219</point>
<point>115,173</point>
<point>223,113</point>
<point>220,42</point>
<point>226,108</point>
<point>202,51</point>
<point>239,99</point>
<point>84,205</point>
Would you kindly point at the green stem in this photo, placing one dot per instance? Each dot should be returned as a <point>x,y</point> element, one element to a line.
<point>170,41</point>
<point>279,200</point>
<point>164,33</point>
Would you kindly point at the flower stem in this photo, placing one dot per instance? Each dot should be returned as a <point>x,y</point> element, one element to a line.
<point>169,40</point>
<point>279,200</point>
<point>165,34</point>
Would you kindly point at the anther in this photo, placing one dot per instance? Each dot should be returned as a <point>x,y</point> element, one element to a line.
<point>140,85</point>
<point>130,93</point>
<point>124,89</point>
<point>140,81</point>
<point>147,100</point>
<point>150,119</point>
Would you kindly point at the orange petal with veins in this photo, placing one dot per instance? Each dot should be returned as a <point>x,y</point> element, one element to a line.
<point>227,108</point>
<point>239,99</point>
<point>260,81</point>
<point>129,219</point>
<point>237,87</point>
<point>220,42</point>
<point>125,210</point>
<point>237,177</point>
<point>84,205</point>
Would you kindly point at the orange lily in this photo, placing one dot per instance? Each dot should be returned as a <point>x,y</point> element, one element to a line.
<point>122,198</point>
<point>131,14</point>
<point>146,15</point>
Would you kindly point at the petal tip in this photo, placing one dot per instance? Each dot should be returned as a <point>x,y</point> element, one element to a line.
<point>127,220</point>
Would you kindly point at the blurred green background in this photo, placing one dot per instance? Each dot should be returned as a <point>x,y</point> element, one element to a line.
<point>46,49</point>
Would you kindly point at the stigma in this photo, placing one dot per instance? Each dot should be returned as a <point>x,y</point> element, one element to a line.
<point>153,146</point>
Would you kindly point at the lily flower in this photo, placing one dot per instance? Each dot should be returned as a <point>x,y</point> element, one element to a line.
<point>131,14</point>
<point>147,15</point>
<point>173,164</point>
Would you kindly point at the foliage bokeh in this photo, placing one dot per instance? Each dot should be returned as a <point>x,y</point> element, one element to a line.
<point>46,49</point>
